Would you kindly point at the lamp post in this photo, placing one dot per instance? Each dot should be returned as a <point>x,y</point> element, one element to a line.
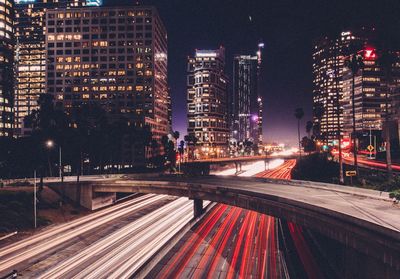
<point>34,199</point>
<point>50,144</point>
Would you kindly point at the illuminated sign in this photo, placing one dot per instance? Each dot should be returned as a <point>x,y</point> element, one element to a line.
<point>24,1</point>
<point>369,54</point>
<point>206,54</point>
<point>94,2</point>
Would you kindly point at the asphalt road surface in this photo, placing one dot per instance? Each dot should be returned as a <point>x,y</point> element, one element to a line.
<point>110,243</point>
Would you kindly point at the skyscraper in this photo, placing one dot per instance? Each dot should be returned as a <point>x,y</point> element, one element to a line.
<point>31,54</point>
<point>328,69</point>
<point>115,57</point>
<point>207,102</point>
<point>6,66</point>
<point>246,105</point>
<point>372,94</point>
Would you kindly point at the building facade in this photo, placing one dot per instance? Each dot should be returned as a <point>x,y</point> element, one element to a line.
<point>31,54</point>
<point>246,122</point>
<point>328,69</point>
<point>207,102</point>
<point>375,95</point>
<point>115,57</point>
<point>7,44</point>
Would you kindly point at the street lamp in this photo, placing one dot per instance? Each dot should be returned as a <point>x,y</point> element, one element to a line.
<point>50,144</point>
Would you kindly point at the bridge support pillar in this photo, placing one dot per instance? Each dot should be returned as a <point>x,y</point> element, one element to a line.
<point>266,164</point>
<point>197,207</point>
<point>238,166</point>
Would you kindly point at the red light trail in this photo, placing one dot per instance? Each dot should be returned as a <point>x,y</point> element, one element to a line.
<point>232,242</point>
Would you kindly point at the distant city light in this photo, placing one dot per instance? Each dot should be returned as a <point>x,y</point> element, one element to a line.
<point>24,1</point>
<point>206,54</point>
<point>49,143</point>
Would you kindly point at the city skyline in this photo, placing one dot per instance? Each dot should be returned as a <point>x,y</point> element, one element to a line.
<point>288,36</point>
<point>199,139</point>
<point>285,77</point>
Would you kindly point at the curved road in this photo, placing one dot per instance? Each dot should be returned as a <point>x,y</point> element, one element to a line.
<point>230,242</point>
<point>111,243</point>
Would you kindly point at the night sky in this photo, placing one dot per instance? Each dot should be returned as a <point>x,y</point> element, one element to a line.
<point>287,27</point>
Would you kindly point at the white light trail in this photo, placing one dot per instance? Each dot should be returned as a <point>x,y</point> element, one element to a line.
<point>253,168</point>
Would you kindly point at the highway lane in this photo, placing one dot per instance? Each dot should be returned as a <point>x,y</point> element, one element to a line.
<point>370,163</point>
<point>37,246</point>
<point>282,172</point>
<point>121,254</point>
<point>116,240</point>
<point>230,242</point>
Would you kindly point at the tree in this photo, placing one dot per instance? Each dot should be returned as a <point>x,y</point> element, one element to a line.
<point>386,61</point>
<point>299,113</point>
<point>309,126</point>
<point>181,149</point>
<point>176,137</point>
<point>190,140</point>
<point>308,144</point>
<point>354,63</point>
<point>318,112</point>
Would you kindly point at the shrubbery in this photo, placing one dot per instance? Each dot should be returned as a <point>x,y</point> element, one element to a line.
<point>395,194</point>
<point>316,167</point>
<point>16,211</point>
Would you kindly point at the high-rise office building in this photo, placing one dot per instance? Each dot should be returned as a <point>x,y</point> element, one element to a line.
<point>115,57</point>
<point>246,105</point>
<point>6,66</point>
<point>31,54</point>
<point>207,102</point>
<point>373,94</point>
<point>328,62</point>
<point>328,69</point>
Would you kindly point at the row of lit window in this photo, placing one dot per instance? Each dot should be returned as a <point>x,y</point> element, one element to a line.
<point>107,14</point>
<point>146,50</point>
<point>138,88</point>
<point>102,29</point>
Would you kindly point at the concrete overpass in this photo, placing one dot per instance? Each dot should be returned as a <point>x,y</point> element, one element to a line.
<point>202,167</point>
<point>365,220</point>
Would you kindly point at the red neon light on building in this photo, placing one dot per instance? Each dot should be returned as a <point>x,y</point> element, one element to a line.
<point>369,54</point>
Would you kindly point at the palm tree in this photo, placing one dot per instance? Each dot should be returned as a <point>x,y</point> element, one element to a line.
<point>176,137</point>
<point>309,126</point>
<point>299,113</point>
<point>355,64</point>
<point>386,61</point>
<point>190,140</point>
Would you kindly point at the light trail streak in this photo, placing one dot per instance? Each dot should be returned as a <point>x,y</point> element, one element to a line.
<point>64,227</point>
<point>37,245</point>
<point>231,242</point>
<point>253,168</point>
<point>347,157</point>
<point>122,253</point>
<point>193,243</point>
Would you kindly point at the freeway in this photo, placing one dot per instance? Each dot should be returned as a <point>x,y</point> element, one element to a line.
<point>370,163</point>
<point>230,242</point>
<point>111,243</point>
<point>283,172</point>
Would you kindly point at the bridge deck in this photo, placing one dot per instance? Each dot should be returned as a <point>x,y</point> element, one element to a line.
<point>358,204</point>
